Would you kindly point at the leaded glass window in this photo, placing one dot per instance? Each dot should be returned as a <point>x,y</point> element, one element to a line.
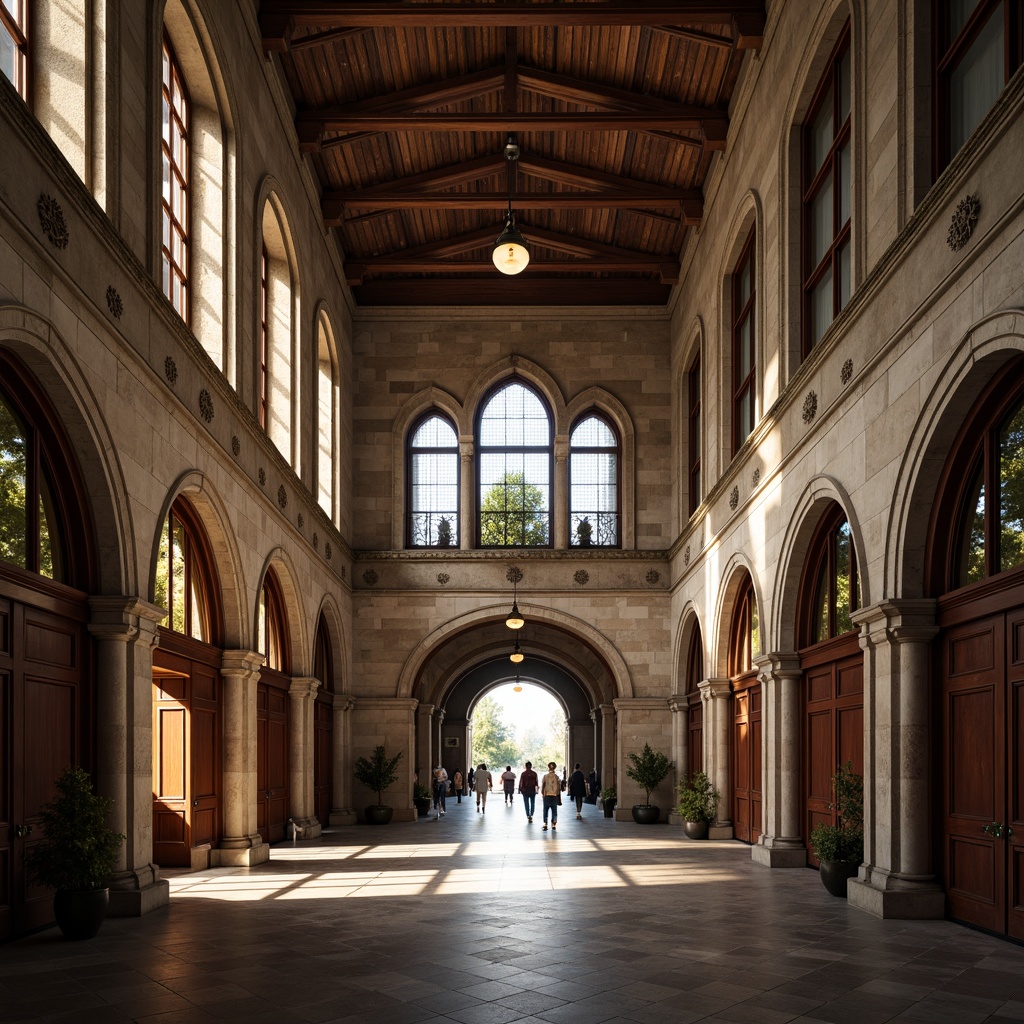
<point>836,592</point>
<point>270,626</point>
<point>514,459</point>
<point>593,484</point>
<point>174,198</point>
<point>180,582</point>
<point>433,485</point>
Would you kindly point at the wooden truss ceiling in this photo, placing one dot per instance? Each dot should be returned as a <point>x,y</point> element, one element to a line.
<point>405,106</point>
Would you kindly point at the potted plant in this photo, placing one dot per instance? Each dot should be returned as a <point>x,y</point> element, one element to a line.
<point>648,769</point>
<point>77,855</point>
<point>444,532</point>
<point>839,847</point>
<point>584,532</point>
<point>377,773</point>
<point>422,799</point>
<point>698,804</point>
<point>608,798</point>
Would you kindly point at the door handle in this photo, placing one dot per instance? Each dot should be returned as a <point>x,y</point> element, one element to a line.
<point>995,830</point>
<point>195,803</point>
<point>21,831</point>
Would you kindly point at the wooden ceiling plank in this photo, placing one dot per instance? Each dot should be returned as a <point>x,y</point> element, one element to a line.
<point>577,90</point>
<point>668,199</point>
<point>435,94</point>
<point>358,270</point>
<point>525,290</point>
<point>334,35</point>
<point>693,36</point>
<point>681,119</point>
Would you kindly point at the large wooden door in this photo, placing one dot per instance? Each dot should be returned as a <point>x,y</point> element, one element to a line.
<point>323,758</point>
<point>43,673</point>
<point>833,726</point>
<point>982,732</point>
<point>746,766</point>
<point>272,756</point>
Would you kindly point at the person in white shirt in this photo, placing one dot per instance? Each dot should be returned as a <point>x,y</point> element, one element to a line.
<point>508,781</point>
<point>551,791</point>
<point>482,784</point>
<point>440,789</point>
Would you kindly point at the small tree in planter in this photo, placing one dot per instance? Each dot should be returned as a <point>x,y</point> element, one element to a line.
<point>444,533</point>
<point>840,847</point>
<point>648,770</point>
<point>584,532</point>
<point>377,773</point>
<point>698,804</point>
<point>78,854</point>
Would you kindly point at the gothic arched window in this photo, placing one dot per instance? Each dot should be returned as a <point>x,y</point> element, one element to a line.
<point>593,484</point>
<point>433,484</point>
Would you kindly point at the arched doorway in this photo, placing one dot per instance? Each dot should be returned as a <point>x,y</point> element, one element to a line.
<point>744,643</point>
<point>323,723</point>
<point>272,709</point>
<point>832,666</point>
<point>46,572</point>
<point>977,574</point>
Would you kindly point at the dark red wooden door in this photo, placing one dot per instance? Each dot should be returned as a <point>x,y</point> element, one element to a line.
<point>272,756</point>
<point>746,752</point>
<point>695,746</point>
<point>323,759</point>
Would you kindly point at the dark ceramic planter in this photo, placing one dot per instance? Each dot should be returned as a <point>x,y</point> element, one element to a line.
<point>835,874</point>
<point>696,829</point>
<point>80,914</point>
<point>423,806</point>
<point>376,815</point>
<point>609,808</point>
<point>646,814</point>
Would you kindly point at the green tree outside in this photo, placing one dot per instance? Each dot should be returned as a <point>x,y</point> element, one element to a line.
<point>513,513</point>
<point>494,739</point>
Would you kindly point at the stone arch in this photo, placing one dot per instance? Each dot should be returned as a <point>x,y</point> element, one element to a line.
<point>828,21</point>
<point>332,616</point>
<point>217,522</point>
<point>505,371</point>
<point>819,494</point>
<point>984,349</point>
<point>40,346</point>
<point>597,398</point>
<point>718,652</point>
<point>585,634</point>
<point>689,620</point>
<point>299,642</point>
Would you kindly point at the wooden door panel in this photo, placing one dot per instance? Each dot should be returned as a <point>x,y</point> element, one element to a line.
<point>171,817</point>
<point>973,755</point>
<point>7,822</point>
<point>205,775</point>
<point>746,760</point>
<point>1015,775</point>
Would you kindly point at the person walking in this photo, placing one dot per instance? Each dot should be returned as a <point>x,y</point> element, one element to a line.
<point>469,779</point>
<point>457,785</point>
<point>440,789</point>
<point>528,783</point>
<point>551,793</point>
<point>593,787</point>
<point>482,783</point>
<point>578,789</point>
<point>508,783</point>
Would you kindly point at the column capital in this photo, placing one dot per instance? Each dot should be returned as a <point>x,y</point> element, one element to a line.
<point>711,689</point>
<point>439,715</point>
<point>241,663</point>
<point>303,686</point>
<point>466,449</point>
<point>344,702</point>
<point>905,620</point>
<point>777,666</point>
<point>622,704</point>
<point>425,710</point>
<point>678,702</point>
<point>561,448</point>
<point>606,709</point>
<point>120,617</point>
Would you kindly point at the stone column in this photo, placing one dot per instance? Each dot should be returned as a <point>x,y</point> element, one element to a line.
<point>302,694</point>
<point>641,720</point>
<point>781,844</point>
<point>423,762</point>
<point>467,499</point>
<point>390,721</point>
<point>242,844</point>
<point>680,708</point>
<point>580,732</point>
<point>560,493</point>
<point>437,738</point>
<point>716,696</point>
<point>342,812</point>
<point>124,632</point>
<point>897,878</point>
<point>609,774</point>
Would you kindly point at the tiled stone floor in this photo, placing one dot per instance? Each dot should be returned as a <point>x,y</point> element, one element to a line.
<point>483,919</point>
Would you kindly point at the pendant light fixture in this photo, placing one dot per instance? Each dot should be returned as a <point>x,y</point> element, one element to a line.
<point>514,620</point>
<point>517,653</point>
<point>510,254</point>
<point>518,688</point>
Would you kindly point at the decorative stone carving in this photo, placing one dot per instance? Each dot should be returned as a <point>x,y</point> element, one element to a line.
<point>443,578</point>
<point>316,541</point>
<point>846,373</point>
<point>810,406</point>
<point>282,496</point>
<point>370,578</point>
<point>114,303</point>
<point>756,478</point>
<point>734,498</point>
<point>171,370</point>
<point>327,553</point>
<point>205,405</point>
<point>582,577</point>
<point>236,446</point>
<point>302,520</point>
<point>51,219</point>
<point>652,576</point>
<point>514,574</point>
<point>262,477</point>
<point>965,217</point>
<point>686,555</point>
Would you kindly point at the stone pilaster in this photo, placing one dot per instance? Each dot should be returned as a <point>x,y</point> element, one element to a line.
<point>561,508</point>
<point>781,844</point>
<point>609,774</point>
<point>390,721</point>
<point>641,720</point>
<point>716,696</point>
<point>242,844</point>
<point>301,695</point>
<point>580,732</point>
<point>124,632</point>
<point>342,811</point>
<point>680,708</point>
<point>423,762</point>
<point>897,878</point>
<point>467,500</point>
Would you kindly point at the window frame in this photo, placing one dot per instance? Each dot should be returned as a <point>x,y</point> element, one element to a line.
<point>695,434</point>
<point>948,54</point>
<point>481,450</point>
<point>19,33</point>
<point>822,555</point>
<point>169,222</point>
<point>616,451</point>
<point>410,454</point>
<point>741,635</point>
<point>745,389</point>
<point>811,183</point>
<point>264,334</point>
<point>273,638</point>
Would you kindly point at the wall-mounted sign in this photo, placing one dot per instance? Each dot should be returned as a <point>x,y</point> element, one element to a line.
<point>451,741</point>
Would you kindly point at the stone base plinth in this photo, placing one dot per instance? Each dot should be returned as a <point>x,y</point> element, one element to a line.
<point>778,857</point>
<point>924,903</point>
<point>241,857</point>
<point>720,832</point>
<point>342,816</point>
<point>136,902</point>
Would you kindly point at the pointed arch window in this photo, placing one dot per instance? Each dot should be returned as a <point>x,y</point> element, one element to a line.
<point>185,581</point>
<point>175,194</point>
<point>744,348</point>
<point>327,419</point>
<point>323,663</point>
<point>594,461</point>
<point>695,434</point>
<point>433,484</point>
<point>832,572</point>
<point>514,455</point>
<point>14,44</point>
<point>271,635</point>
<point>279,356</point>
<point>827,192</point>
<point>746,632</point>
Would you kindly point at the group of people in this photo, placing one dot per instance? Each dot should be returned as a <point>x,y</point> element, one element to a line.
<point>578,787</point>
